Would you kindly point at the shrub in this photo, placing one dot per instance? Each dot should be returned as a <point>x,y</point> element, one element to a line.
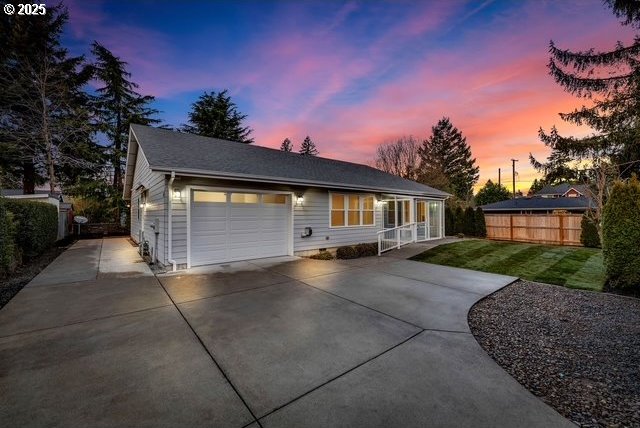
<point>620,237</point>
<point>346,252</point>
<point>36,225</point>
<point>481,225</point>
<point>449,221</point>
<point>589,235</point>
<point>366,250</point>
<point>458,220</point>
<point>9,254</point>
<point>322,255</point>
<point>469,222</point>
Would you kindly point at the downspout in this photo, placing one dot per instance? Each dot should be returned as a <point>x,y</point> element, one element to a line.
<point>170,219</point>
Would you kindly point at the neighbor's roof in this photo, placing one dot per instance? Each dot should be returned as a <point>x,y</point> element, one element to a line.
<point>563,188</point>
<point>539,204</point>
<point>192,154</point>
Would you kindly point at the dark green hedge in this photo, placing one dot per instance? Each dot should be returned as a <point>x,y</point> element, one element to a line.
<point>481,225</point>
<point>9,254</point>
<point>621,237</point>
<point>589,235</point>
<point>469,222</point>
<point>36,225</point>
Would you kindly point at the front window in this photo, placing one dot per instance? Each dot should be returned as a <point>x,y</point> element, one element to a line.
<point>351,210</point>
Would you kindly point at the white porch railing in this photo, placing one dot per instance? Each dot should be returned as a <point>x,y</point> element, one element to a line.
<point>396,237</point>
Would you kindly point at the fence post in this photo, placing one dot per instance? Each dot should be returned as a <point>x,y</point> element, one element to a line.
<point>561,220</point>
<point>511,226</point>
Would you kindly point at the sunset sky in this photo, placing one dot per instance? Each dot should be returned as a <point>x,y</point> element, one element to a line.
<point>355,74</point>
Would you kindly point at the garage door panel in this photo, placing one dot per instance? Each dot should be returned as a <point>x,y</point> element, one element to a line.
<point>226,231</point>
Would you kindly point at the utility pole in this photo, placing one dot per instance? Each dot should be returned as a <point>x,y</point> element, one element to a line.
<point>499,178</point>
<point>513,168</point>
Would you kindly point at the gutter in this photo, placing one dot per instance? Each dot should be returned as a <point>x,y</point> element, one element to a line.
<point>297,182</point>
<point>170,219</point>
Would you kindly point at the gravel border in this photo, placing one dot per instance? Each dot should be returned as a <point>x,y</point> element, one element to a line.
<point>579,351</point>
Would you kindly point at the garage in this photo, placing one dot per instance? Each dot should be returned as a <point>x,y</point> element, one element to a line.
<point>231,226</point>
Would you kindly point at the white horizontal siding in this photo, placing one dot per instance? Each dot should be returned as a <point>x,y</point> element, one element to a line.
<point>314,213</point>
<point>155,208</point>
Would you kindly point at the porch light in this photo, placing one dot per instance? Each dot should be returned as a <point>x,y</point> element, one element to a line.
<point>299,199</point>
<point>177,195</point>
<point>379,202</point>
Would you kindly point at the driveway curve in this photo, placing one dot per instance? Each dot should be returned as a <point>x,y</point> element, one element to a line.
<point>98,340</point>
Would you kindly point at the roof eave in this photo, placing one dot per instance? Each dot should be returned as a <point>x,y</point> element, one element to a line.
<point>288,181</point>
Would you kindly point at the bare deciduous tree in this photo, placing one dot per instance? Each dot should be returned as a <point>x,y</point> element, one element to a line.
<point>399,157</point>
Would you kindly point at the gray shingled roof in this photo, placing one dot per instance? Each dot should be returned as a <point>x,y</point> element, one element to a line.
<point>561,189</point>
<point>187,153</point>
<point>536,204</point>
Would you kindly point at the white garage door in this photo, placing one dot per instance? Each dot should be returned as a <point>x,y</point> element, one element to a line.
<point>230,226</point>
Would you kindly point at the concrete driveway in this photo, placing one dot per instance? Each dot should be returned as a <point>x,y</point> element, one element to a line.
<point>97,340</point>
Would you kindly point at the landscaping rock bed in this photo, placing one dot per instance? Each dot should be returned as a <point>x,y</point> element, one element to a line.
<point>578,351</point>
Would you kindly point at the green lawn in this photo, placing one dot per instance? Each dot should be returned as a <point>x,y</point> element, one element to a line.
<point>573,267</point>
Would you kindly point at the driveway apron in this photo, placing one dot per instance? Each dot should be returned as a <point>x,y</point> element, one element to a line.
<point>98,340</point>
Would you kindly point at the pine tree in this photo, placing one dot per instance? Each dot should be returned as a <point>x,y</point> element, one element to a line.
<point>492,192</point>
<point>536,186</point>
<point>45,113</point>
<point>611,81</point>
<point>216,115</point>
<point>308,147</point>
<point>447,152</point>
<point>287,145</point>
<point>118,104</point>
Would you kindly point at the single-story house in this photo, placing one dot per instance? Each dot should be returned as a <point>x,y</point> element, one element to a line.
<point>198,200</point>
<point>65,209</point>
<point>564,190</point>
<point>578,204</point>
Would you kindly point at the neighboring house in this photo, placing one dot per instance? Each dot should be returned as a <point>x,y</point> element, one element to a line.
<point>571,198</point>
<point>564,190</point>
<point>65,209</point>
<point>198,201</point>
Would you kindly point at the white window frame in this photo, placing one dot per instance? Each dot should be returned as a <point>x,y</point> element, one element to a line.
<point>361,210</point>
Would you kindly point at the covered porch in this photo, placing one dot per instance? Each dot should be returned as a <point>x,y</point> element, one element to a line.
<point>409,219</point>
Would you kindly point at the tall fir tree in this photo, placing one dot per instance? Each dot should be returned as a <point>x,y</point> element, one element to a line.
<point>308,147</point>
<point>118,104</point>
<point>446,153</point>
<point>610,80</point>
<point>45,126</point>
<point>287,145</point>
<point>215,115</point>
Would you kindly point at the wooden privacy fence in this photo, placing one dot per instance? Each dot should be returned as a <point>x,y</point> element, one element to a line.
<point>558,229</point>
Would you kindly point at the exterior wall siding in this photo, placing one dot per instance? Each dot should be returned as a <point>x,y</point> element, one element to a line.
<point>154,183</point>
<point>314,213</point>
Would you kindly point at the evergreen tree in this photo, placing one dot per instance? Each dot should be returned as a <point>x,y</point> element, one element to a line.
<point>611,81</point>
<point>480,223</point>
<point>469,222</point>
<point>536,186</point>
<point>492,192</point>
<point>287,145</point>
<point>118,104</point>
<point>45,112</point>
<point>216,115</point>
<point>308,147</point>
<point>447,151</point>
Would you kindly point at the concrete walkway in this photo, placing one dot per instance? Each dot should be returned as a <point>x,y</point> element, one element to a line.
<point>97,340</point>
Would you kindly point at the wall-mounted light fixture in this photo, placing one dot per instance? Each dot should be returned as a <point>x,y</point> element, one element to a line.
<point>299,199</point>
<point>380,202</point>
<point>176,195</point>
